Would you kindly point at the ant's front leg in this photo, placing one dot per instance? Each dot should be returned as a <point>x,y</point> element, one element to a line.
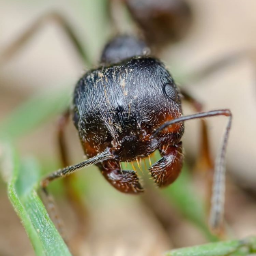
<point>73,195</point>
<point>166,170</point>
<point>125,181</point>
<point>204,162</point>
<point>75,198</point>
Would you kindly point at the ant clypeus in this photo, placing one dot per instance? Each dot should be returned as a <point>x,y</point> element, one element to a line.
<point>126,109</point>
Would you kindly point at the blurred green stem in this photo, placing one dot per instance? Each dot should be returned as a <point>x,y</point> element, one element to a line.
<point>233,248</point>
<point>22,181</point>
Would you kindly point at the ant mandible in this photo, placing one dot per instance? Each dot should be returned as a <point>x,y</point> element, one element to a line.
<point>128,108</point>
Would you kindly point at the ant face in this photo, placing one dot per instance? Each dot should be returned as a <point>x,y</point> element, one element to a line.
<point>119,107</point>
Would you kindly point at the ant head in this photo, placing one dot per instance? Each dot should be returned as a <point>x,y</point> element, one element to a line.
<point>123,47</point>
<point>122,104</point>
<point>162,21</point>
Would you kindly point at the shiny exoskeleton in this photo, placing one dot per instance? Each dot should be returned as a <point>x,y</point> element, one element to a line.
<point>119,105</point>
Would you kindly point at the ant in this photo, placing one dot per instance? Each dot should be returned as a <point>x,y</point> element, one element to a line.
<point>125,110</point>
<point>128,108</point>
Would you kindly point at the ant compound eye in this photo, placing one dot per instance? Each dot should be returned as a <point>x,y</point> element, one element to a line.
<point>171,92</point>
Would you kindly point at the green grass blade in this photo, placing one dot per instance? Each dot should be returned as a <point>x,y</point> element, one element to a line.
<point>234,247</point>
<point>22,180</point>
<point>34,112</point>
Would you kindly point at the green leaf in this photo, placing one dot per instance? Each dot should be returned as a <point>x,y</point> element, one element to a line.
<point>22,180</point>
<point>234,247</point>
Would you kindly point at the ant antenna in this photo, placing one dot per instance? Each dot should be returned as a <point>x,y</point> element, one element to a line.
<point>218,190</point>
<point>105,155</point>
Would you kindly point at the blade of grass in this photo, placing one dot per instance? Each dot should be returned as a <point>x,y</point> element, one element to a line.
<point>233,247</point>
<point>22,181</point>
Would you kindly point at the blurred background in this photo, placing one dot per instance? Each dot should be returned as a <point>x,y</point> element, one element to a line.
<point>120,224</point>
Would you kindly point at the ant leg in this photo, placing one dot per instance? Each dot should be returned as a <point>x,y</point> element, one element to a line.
<point>62,122</point>
<point>13,48</point>
<point>120,20</point>
<point>191,100</point>
<point>125,181</point>
<point>53,212</point>
<point>204,161</point>
<point>218,65</point>
<point>50,204</point>
<point>112,5</point>
<point>217,202</point>
<point>166,170</point>
<point>74,197</point>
